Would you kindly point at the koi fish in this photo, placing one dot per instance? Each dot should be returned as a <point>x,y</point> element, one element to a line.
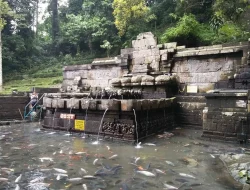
<point>170,163</point>
<point>146,173</point>
<point>17,187</point>
<point>74,179</point>
<point>187,175</point>
<point>159,171</point>
<point>84,186</point>
<point>18,178</point>
<point>84,171</point>
<point>46,158</point>
<point>77,153</point>
<point>113,157</point>
<point>3,179</point>
<point>60,170</point>
<point>150,144</point>
<point>137,159</point>
<point>94,163</point>
<point>167,186</point>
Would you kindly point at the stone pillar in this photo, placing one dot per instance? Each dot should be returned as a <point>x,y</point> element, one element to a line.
<point>146,54</point>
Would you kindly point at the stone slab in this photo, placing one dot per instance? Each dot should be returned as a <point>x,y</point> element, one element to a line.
<point>72,103</point>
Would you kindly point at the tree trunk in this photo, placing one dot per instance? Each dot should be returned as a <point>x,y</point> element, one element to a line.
<point>90,44</point>
<point>1,69</point>
<point>37,14</point>
<point>55,24</point>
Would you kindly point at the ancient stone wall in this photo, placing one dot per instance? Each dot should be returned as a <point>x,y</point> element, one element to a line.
<point>226,115</point>
<point>189,110</point>
<point>98,74</point>
<point>11,106</point>
<point>206,68</point>
<point>121,120</point>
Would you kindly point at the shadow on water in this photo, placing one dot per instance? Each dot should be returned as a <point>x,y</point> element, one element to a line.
<point>53,160</point>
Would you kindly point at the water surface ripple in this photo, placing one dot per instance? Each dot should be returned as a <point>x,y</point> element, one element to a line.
<point>31,158</point>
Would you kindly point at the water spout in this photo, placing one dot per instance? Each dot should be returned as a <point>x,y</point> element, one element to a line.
<point>70,111</point>
<point>97,141</point>
<point>86,115</point>
<point>54,118</point>
<point>138,144</point>
<point>41,109</point>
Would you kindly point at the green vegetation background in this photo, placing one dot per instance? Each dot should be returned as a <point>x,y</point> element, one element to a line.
<point>82,30</point>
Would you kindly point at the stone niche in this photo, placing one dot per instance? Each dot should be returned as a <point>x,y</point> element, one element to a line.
<point>226,115</point>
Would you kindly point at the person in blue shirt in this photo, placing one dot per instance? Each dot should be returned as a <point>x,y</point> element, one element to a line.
<point>33,99</point>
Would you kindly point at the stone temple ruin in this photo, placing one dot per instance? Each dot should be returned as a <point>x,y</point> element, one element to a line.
<point>153,87</point>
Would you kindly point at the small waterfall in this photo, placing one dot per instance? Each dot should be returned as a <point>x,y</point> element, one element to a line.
<point>70,111</point>
<point>147,121</point>
<point>54,118</point>
<point>86,115</point>
<point>97,141</point>
<point>41,110</point>
<point>138,144</point>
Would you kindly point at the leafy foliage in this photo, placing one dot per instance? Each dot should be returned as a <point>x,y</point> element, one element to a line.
<point>4,10</point>
<point>202,9</point>
<point>106,45</point>
<point>96,28</point>
<point>130,12</point>
<point>230,32</point>
<point>185,32</point>
<point>231,10</point>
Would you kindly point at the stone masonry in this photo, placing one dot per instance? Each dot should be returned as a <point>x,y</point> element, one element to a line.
<point>226,115</point>
<point>207,67</point>
<point>12,107</point>
<point>151,71</point>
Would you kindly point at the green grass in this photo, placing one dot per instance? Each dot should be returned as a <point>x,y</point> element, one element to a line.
<point>47,74</point>
<point>24,85</point>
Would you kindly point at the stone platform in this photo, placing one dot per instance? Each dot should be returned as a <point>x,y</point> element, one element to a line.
<point>120,120</point>
<point>144,78</point>
<point>226,115</point>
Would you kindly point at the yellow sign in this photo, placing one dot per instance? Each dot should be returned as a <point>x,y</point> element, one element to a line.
<point>79,125</point>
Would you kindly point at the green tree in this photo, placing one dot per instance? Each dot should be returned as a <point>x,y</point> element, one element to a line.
<point>19,49</point>
<point>4,10</point>
<point>106,45</point>
<point>186,32</point>
<point>55,24</point>
<point>94,24</point>
<point>162,10</point>
<point>130,13</point>
<point>230,20</point>
<point>202,9</point>
<point>231,10</point>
